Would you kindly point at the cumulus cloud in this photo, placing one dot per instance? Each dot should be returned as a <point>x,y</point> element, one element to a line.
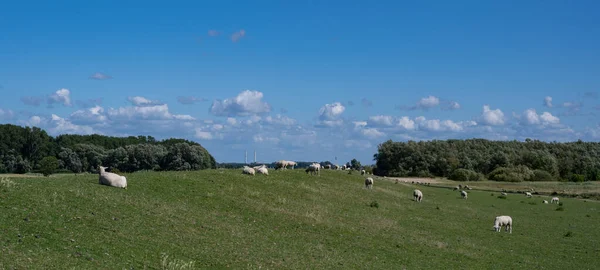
<point>32,100</point>
<point>438,125</point>
<point>246,103</point>
<point>190,99</point>
<point>61,96</point>
<point>142,101</point>
<point>203,135</point>
<point>331,111</point>
<point>428,102</point>
<point>89,116</point>
<point>548,101</point>
<point>156,112</point>
<point>236,36</point>
<point>280,120</point>
<point>64,126</point>
<point>100,76</point>
<point>451,105</point>
<point>491,117</point>
<point>403,122</point>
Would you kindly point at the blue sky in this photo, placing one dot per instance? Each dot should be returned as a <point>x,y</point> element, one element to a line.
<point>303,80</point>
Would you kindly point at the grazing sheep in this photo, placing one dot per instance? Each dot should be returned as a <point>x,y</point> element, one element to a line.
<point>292,163</point>
<point>463,194</point>
<point>545,201</point>
<point>528,194</point>
<point>468,187</point>
<point>554,199</point>
<point>263,170</point>
<point>369,182</point>
<point>362,172</point>
<point>504,194</point>
<point>111,179</point>
<point>259,166</point>
<point>314,168</point>
<point>456,188</point>
<point>418,195</point>
<point>503,221</point>
<point>248,170</point>
<point>328,166</point>
<point>459,186</point>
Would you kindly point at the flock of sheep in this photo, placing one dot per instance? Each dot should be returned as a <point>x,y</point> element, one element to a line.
<point>115,180</point>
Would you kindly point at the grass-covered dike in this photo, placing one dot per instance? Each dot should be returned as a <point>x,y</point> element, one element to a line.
<point>288,219</point>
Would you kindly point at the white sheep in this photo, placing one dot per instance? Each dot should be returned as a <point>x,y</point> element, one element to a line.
<point>528,194</point>
<point>328,166</point>
<point>456,188</point>
<point>369,182</point>
<point>545,201</point>
<point>259,166</point>
<point>504,194</point>
<point>418,195</point>
<point>248,170</point>
<point>111,179</point>
<point>263,170</point>
<point>314,169</point>
<point>463,194</point>
<point>363,172</point>
<point>554,199</point>
<point>503,221</point>
<point>468,187</point>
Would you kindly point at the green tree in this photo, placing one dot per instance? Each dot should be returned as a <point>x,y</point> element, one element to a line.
<point>355,164</point>
<point>48,165</point>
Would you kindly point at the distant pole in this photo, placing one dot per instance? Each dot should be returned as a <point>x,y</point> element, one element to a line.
<point>246,156</point>
<point>254,156</point>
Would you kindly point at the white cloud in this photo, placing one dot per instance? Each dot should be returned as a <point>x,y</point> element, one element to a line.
<point>62,96</point>
<point>548,101</point>
<point>406,123</point>
<point>260,138</point>
<point>232,121</point>
<point>491,117</point>
<point>157,112</point>
<point>87,116</point>
<point>246,103</point>
<point>381,120</point>
<point>203,135</point>
<point>439,125</point>
<point>280,120</point>
<point>331,111</point>
<point>453,105</point>
<point>372,133</point>
<point>100,76</point>
<point>530,117</point>
<point>64,126</point>
<point>142,101</point>
<point>428,102</point>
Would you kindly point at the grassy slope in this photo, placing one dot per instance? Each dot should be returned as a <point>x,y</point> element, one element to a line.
<point>286,220</point>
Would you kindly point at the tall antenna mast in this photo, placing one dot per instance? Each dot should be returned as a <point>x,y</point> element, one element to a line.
<point>246,156</point>
<point>254,156</point>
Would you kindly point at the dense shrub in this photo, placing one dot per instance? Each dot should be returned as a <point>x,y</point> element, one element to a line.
<point>517,174</point>
<point>542,176</point>
<point>465,175</point>
<point>577,178</point>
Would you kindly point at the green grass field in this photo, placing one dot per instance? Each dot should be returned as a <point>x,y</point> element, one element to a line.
<point>223,219</point>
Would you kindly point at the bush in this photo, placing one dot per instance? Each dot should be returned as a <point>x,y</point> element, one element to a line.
<point>48,165</point>
<point>465,175</point>
<point>542,176</point>
<point>517,174</point>
<point>577,178</point>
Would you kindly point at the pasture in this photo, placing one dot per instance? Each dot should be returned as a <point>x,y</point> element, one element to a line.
<point>288,219</point>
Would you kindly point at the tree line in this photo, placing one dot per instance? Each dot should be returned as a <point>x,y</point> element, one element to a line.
<point>476,159</point>
<point>26,149</point>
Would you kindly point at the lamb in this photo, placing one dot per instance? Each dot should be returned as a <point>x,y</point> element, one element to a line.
<point>503,221</point>
<point>248,170</point>
<point>554,199</point>
<point>369,182</point>
<point>464,194</point>
<point>528,194</point>
<point>263,170</point>
<point>111,179</point>
<point>418,195</point>
<point>545,201</point>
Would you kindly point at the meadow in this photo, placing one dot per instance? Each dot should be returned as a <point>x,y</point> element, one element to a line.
<point>286,220</point>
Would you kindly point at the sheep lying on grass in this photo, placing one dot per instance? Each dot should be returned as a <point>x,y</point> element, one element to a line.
<point>111,179</point>
<point>554,199</point>
<point>464,194</point>
<point>503,221</point>
<point>418,195</point>
<point>369,182</point>
<point>504,194</point>
<point>248,170</point>
<point>528,194</point>
<point>545,201</point>
<point>263,170</point>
